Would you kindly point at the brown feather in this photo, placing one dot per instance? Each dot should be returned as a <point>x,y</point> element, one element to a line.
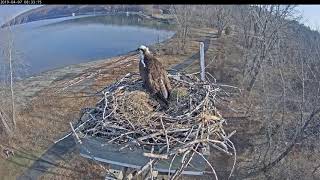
<point>155,78</point>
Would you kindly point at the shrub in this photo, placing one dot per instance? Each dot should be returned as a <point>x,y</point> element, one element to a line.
<point>227,30</point>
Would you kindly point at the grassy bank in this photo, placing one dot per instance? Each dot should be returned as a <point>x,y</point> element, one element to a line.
<point>49,101</point>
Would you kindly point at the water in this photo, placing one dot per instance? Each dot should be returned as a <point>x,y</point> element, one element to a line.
<point>49,44</point>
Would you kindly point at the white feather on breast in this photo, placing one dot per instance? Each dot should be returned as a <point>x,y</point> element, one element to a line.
<point>165,92</point>
<point>142,58</point>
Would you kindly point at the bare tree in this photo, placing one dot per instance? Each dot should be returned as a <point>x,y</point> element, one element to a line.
<point>297,106</point>
<point>219,17</point>
<point>282,61</point>
<point>262,28</point>
<point>183,15</point>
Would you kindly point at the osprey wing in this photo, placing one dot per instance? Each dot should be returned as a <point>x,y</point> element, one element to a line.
<point>166,82</point>
<point>153,82</point>
<point>160,79</point>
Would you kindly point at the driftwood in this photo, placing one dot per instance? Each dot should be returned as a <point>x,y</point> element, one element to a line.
<point>128,116</point>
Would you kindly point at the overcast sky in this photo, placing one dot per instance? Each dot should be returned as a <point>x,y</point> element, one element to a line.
<point>311,13</point>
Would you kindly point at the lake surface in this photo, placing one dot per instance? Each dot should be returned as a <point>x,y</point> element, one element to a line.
<point>50,44</point>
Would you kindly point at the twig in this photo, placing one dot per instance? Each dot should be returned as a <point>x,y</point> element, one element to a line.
<point>157,156</point>
<point>166,134</point>
<point>212,169</point>
<point>74,132</point>
<point>235,158</point>
<point>186,127</point>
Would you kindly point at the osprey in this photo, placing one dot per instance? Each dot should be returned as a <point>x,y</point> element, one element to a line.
<point>153,75</point>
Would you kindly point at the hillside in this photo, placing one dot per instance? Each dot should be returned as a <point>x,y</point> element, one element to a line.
<point>273,61</point>
<point>56,11</point>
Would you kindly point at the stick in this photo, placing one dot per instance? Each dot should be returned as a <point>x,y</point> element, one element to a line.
<point>166,134</point>
<point>79,140</point>
<point>158,156</point>
<point>183,129</point>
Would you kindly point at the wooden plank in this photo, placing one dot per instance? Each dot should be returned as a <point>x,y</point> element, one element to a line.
<point>202,64</point>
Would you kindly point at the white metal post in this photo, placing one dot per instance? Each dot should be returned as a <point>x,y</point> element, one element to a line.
<point>202,65</point>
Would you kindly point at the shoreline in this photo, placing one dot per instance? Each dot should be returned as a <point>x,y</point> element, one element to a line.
<point>88,62</point>
<point>142,15</point>
<point>91,62</point>
<point>28,87</point>
<point>55,97</point>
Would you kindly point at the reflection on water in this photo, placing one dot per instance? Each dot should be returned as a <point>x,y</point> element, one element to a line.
<point>55,43</point>
<point>119,19</point>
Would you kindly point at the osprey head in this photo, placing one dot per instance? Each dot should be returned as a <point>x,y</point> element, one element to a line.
<point>143,49</point>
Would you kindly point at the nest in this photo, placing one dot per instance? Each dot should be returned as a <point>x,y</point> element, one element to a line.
<point>128,116</point>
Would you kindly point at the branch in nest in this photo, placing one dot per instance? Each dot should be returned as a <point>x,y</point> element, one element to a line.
<point>186,127</point>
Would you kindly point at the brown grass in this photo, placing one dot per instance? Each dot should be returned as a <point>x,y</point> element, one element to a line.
<point>47,116</point>
<point>76,168</point>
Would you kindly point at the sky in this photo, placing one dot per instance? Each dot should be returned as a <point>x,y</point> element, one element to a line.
<point>310,13</point>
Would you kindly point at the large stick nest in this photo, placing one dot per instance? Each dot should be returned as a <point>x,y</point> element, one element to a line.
<point>127,115</point>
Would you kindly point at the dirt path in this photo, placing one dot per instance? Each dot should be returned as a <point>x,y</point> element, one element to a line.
<point>190,60</point>
<point>57,151</point>
<point>49,159</point>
